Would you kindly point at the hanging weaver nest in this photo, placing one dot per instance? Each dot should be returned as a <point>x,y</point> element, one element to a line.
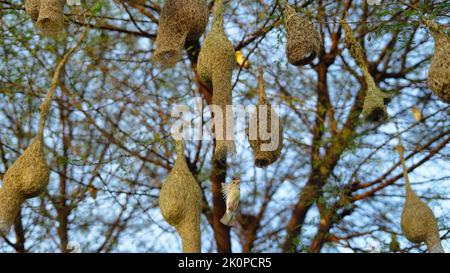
<point>374,107</point>
<point>216,62</point>
<point>179,21</point>
<point>51,16</point>
<point>32,8</point>
<point>180,202</point>
<point>303,41</point>
<point>439,72</point>
<point>26,178</point>
<point>418,222</point>
<point>273,140</point>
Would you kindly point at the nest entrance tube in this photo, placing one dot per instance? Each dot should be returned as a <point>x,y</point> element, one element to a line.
<point>303,42</point>
<point>51,16</point>
<point>180,21</point>
<point>418,223</point>
<point>374,107</point>
<point>216,62</point>
<point>180,202</point>
<point>439,72</point>
<point>265,132</point>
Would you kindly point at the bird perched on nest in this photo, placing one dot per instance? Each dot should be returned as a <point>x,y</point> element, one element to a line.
<point>231,193</point>
<point>241,61</point>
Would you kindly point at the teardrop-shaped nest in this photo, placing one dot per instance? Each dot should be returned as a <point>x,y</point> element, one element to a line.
<point>216,57</point>
<point>32,8</point>
<point>268,149</point>
<point>439,72</point>
<point>180,194</point>
<point>28,176</point>
<point>51,16</point>
<point>216,62</point>
<point>179,21</point>
<point>375,100</point>
<point>418,222</point>
<point>303,41</point>
<point>374,107</point>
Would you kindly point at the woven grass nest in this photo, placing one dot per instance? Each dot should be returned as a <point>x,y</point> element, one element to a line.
<point>32,8</point>
<point>180,202</point>
<point>439,72</point>
<point>375,100</point>
<point>51,16</point>
<point>418,222</point>
<point>179,21</point>
<point>273,141</point>
<point>303,41</point>
<point>27,177</point>
<point>216,62</point>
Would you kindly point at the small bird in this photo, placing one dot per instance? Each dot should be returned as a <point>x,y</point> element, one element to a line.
<point>417,114</point>
<point>231,193</point>
<point>240,59</point>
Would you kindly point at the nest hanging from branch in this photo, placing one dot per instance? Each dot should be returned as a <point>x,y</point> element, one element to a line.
<point>51,16</point>
<point>32,8</point>
<point>180,21</point>
<point>28,176</point>
<point>180,203</point>
<point>418,222</point>
<point>266,146</point>
<point>216,62</point>
<point>439,72</point>
<point>374,107</point>
<point>303,41</point>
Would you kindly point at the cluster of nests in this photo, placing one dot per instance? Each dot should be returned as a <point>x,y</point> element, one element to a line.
<point>180,197</point>
<point>48,14</point>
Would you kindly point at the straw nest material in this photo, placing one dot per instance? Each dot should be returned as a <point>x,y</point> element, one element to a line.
<point>27,177</point>
<point>32,8</point>
<point>10,204</point>
<point>180,202</point>
<point>374,107</point>
<point>216,62</point>
<point>51,16</point>
<point>418,222</point>
<point>266,147</point>
<point>439,72</point>
<point>179,21</point>
<point>303,41</point>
